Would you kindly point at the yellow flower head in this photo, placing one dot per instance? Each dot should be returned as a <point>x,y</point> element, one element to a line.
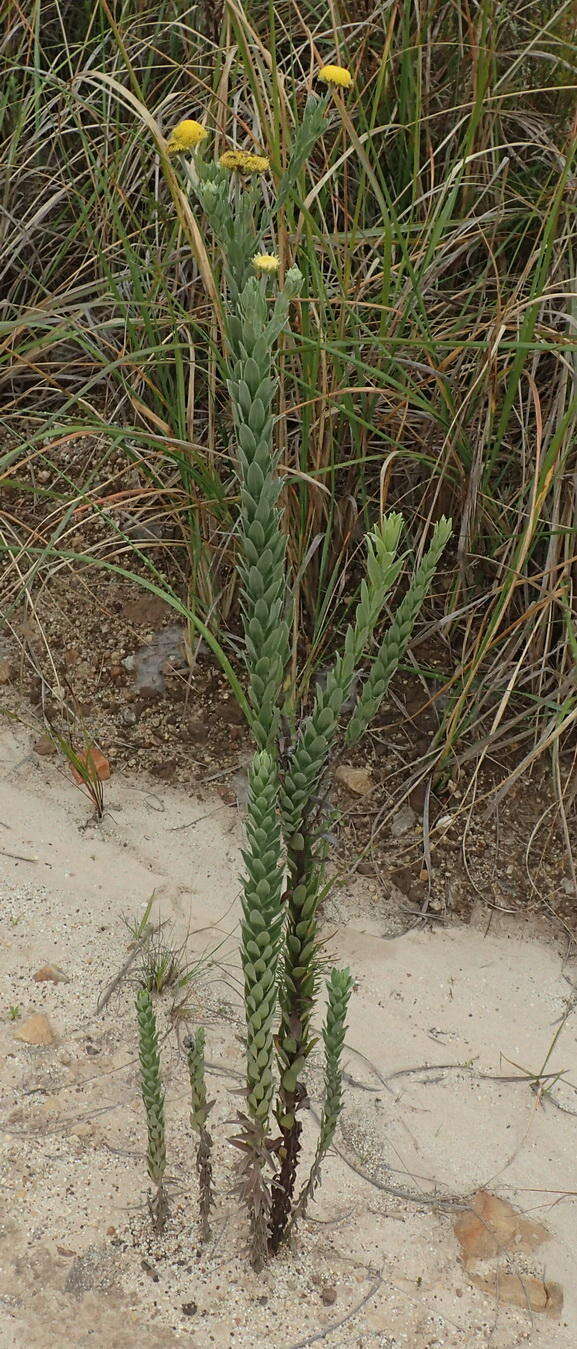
<point>338,75</point>
<point>186,136</point>
<point>244,162</point>
<point>266,262</point>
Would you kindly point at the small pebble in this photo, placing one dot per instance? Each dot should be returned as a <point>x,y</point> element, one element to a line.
<point>44,746</point>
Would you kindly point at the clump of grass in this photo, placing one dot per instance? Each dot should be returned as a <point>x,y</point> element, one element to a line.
<point>435,341</point>
<point>142,929</point>
<point>165,965</point>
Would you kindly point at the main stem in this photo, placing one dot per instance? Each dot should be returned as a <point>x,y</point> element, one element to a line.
<point>293,1037</point>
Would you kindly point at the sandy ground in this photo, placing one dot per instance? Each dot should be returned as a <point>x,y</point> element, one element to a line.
<point>438,1018</point>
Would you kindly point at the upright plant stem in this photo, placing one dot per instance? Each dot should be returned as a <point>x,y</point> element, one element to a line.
<point>153,1097</point>
<point>198,1117</point>
<point>293,1045</point>
<point>338,994</point>
<point>262,917</point>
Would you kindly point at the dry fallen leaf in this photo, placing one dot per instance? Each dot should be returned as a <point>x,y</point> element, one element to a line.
<point>96,764</point>
<point>36,1030</point>
<point>50,974</point>
<point>492,1225</point>
<point>356,780</point>
<point>521,1291</point>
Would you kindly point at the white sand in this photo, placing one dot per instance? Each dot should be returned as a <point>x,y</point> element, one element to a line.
<point>78,1262</point>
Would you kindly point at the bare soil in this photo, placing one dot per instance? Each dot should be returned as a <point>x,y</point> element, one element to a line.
<point>104,662</point>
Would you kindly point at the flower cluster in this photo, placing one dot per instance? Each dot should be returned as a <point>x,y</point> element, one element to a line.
<point>337,75</point>
<point>244,162</point>
<point>266,262</point>
<point>186,136</point>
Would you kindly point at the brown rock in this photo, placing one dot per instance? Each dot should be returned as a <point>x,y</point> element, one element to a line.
<point>17,1116</point>
<point>407,880</point>
<point>366,868</point>
<point>36,1030</point>
<point>492,1225</point>
<point>35,690</point>
<point>45,746</point>
<point>228,711</point>
<point>356,780</point>
<point>554,1298</point>
<point>6,669</point>
<point>521,1290</point>
<point>328,1294</point>
<point>50,974</point>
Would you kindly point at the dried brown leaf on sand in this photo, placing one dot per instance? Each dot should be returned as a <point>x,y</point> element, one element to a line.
<point>36,1030</point>
<point>521,1290</point>
<point>95,763</point>
<point>492,1225</point>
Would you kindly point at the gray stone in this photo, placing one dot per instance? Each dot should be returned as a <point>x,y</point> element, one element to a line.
<point>403,821</point>
<point>98,1270</point>
<point>151,663</point>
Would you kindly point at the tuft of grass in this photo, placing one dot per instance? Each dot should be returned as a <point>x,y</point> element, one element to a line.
<point>432,370</point>
<point>165,965</point>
